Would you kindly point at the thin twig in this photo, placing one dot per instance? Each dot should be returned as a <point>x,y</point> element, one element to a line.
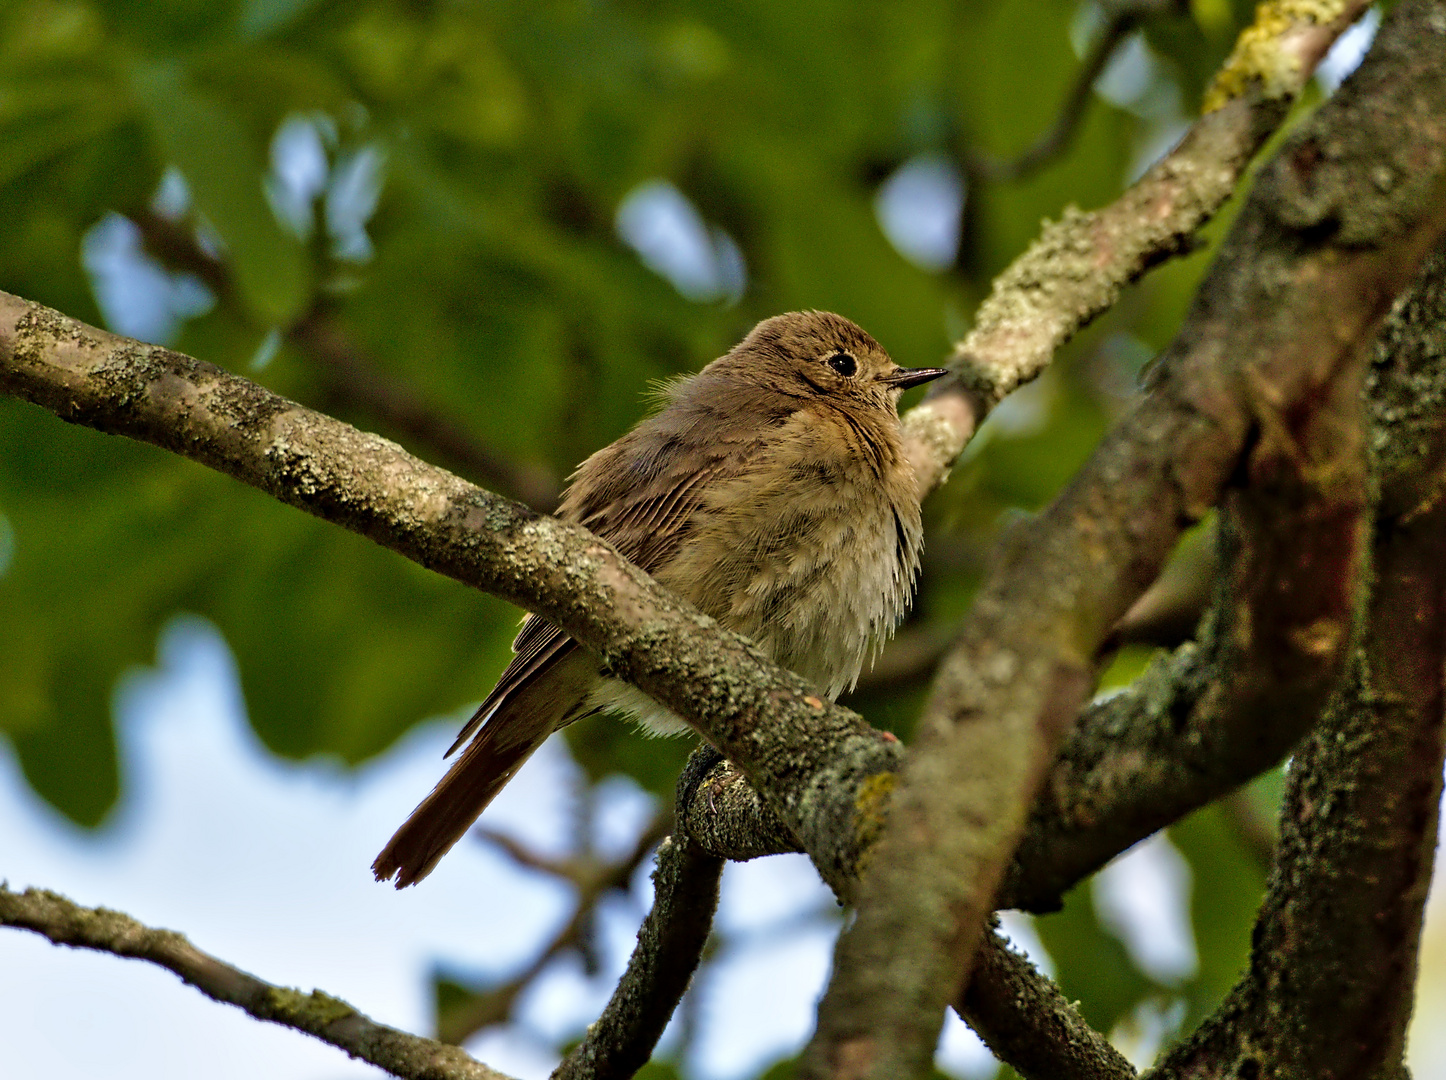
<point>592,879</point>
<point>317,1014</point>
<point>1122,19</point>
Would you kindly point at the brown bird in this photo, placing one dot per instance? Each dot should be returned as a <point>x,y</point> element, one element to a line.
<point>770,490</point>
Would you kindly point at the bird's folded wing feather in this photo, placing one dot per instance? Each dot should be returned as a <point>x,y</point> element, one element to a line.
<point>646,529</point>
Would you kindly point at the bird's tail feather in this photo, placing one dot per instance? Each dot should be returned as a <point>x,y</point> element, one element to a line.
<point>516,728</point>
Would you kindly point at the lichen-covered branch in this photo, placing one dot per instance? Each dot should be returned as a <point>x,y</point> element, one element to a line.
<point>807,755</point>
<point>1333,959</point>
<point>1336,226</point>
<point>1025,1020</point>
<point>670,945</point>
<point>724,814</point>
<point>1329,990</point>
<point>321,1015</point>
<point>1079,264</point>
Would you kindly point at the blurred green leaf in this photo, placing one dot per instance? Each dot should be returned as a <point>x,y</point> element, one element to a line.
<point>658,1070</point>
<point>1229,886</point>
<point>604,745</point>
<point>1093,967</point>
<point>353,646</point>
<point>224,164</point>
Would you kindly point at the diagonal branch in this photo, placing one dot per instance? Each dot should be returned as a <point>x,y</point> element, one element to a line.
<point>1078,266</point>
<point>1338,223</point>
<point>317,1014</point>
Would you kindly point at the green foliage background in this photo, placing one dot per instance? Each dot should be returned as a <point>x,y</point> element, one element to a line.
<point>498,291</point>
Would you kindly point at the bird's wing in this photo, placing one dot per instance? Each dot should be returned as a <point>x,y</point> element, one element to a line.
<point>647,529</point>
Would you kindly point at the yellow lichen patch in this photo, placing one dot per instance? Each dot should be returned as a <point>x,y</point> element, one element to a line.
<point>1320,639</point>
<point>1261,54</point>
<point>872,805</point>
<point>318,1008</point>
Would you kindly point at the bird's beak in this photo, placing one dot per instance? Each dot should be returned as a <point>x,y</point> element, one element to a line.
<point>905,377</point>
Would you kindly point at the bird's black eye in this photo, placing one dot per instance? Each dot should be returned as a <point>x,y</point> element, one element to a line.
<point>844,364</point>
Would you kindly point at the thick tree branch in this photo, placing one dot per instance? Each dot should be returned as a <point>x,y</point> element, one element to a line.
<point>726,817</point>
<point>1333,961</point>
<point>1160,749</point>
<point>1079,264</point>
<point>1336,226</point>
<point>1292,539</point>
<point>320,1015</point>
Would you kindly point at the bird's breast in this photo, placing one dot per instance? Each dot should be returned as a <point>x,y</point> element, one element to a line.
<point>811,550</point>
